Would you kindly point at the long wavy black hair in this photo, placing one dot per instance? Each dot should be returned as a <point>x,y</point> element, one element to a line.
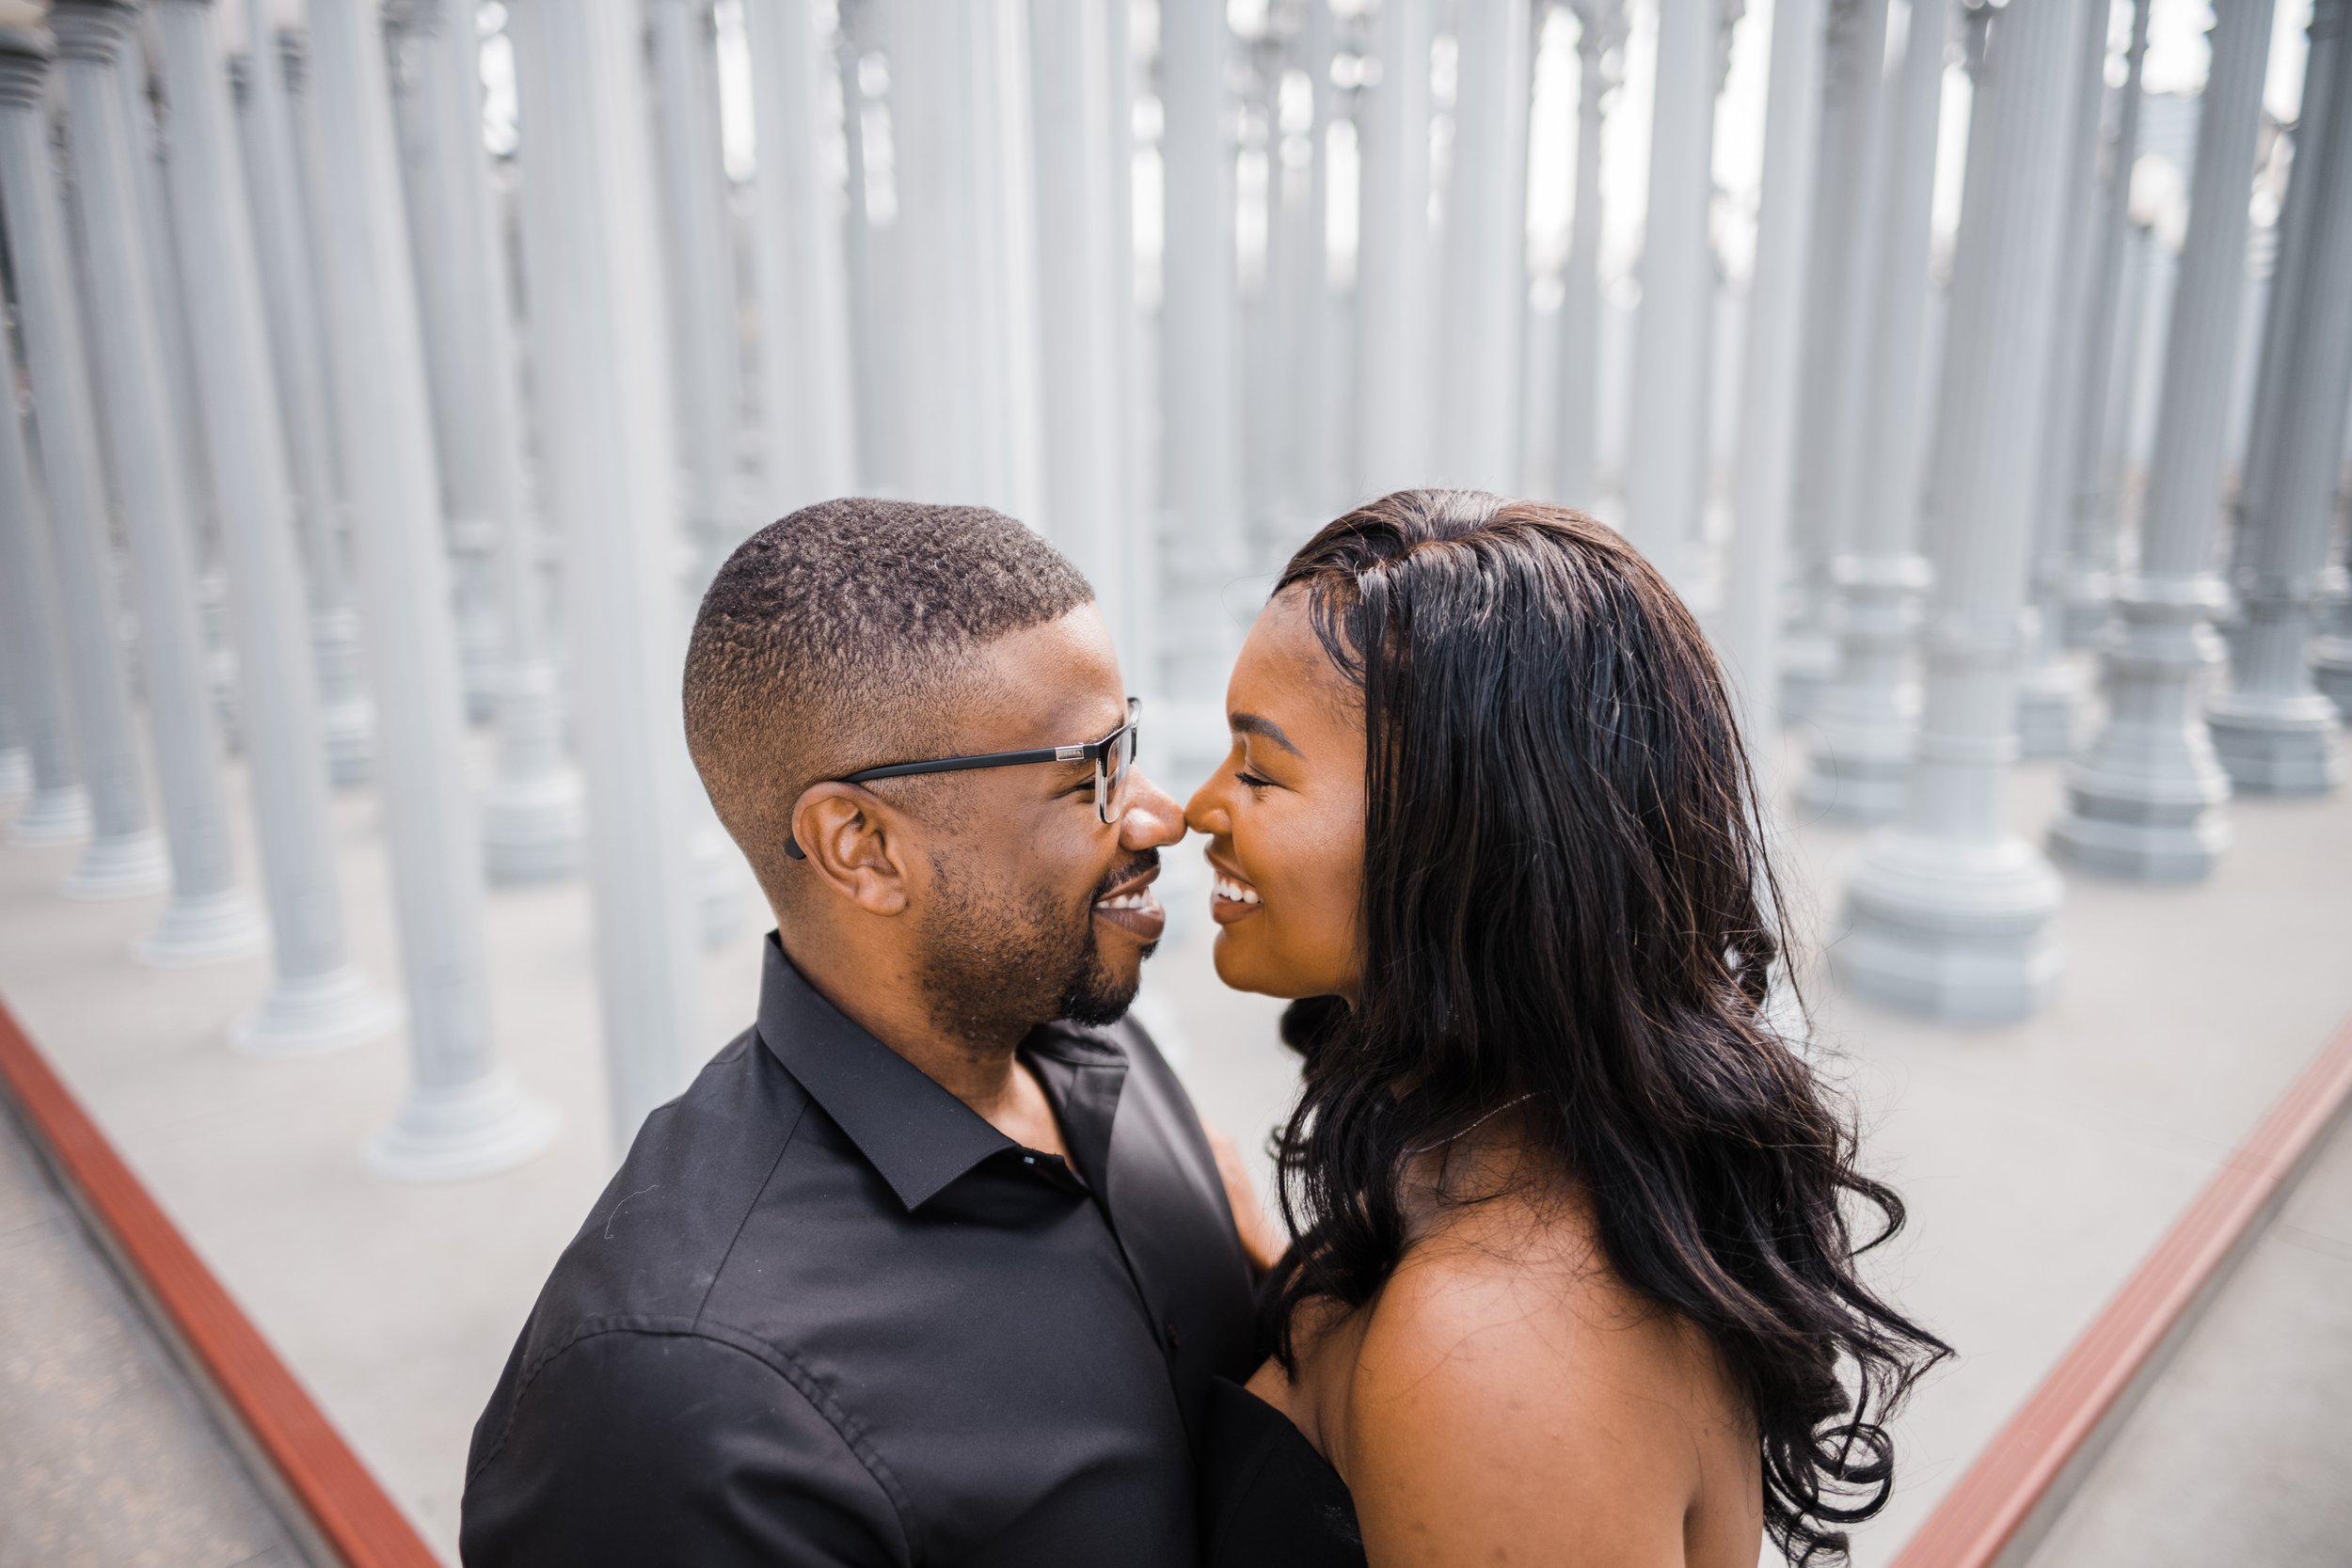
<point>1566,903</point>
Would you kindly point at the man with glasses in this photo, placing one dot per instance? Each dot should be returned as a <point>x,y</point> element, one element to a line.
<point>934,1263</point>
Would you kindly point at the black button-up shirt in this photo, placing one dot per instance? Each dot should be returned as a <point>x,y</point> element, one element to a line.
<point>827,1314</point>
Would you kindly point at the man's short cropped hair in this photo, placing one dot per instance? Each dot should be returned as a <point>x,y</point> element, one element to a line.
<point>832,639</point>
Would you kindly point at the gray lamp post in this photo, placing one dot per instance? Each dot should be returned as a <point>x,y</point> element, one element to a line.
<point>1841,285</point>
<point>1951,914</point>
<point>1666,455</point>
<point>210,917</point>
<point>593,266</point>
<point>2145,799</point>
<point>427,106</point>
<point>1316,486</point>
<point>699,273</point>
<point>533,821</point>
<point>1599,45</point>
<point>2275,732</point>
<point>1202,546</point>
<point>1081,313</point>
<point>58,812</point>
<point>1770,369</point>
<point>2282,307</point>
<point>316,999</point>
<point>1482,305</point>
<point>463,1114</point>
<point>124,856</point>
<point>1394,349</point>
<point>1865,720</point>
<point>804,388</point>
<point>2049,689</point>
<point>282,244</point>
<point>2093,536</point>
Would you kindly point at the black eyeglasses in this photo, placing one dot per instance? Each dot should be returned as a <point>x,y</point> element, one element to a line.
<point>1114,759</point>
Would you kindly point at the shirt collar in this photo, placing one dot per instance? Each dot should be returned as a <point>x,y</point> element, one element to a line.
<point>911,1129</point>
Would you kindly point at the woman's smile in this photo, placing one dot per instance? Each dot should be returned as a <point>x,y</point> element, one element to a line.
<point>1230,897</point>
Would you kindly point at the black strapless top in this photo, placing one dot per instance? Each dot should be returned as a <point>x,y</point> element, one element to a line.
<point>1267,1499</point>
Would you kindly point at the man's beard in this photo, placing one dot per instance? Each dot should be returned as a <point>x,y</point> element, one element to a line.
<point>999,966</point>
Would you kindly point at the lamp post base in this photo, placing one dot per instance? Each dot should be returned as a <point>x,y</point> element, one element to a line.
<point>1962,933</point>
<point>314,1013</point>
<point>207,928</point>
<point>126,865</point>
<point>53,816</point>
<point>451,1133</point>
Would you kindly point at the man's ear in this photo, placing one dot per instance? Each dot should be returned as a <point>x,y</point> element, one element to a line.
<point>852,840</point>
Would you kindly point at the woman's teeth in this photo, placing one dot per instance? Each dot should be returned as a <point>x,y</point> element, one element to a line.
<point>1239,894</point>
<point>1136,901</point>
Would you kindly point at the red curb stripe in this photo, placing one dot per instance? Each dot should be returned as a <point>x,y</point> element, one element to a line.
<point>1999,1510</point>
<point>346,1505</point>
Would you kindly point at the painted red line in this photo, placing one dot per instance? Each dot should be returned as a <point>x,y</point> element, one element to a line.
<point>1984,1513</point>
<point>345,1503</point>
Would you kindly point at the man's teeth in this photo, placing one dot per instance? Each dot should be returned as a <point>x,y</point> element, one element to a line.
<point>1239,894</point>
<point>1140,899</point>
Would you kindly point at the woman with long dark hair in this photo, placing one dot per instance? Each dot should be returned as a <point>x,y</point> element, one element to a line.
<point>1574,1272</point>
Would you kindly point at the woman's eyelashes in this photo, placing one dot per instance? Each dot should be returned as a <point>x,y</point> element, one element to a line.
<point>1252,782</point>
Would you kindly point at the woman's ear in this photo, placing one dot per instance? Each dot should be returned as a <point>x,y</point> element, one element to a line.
<point>852,840</point>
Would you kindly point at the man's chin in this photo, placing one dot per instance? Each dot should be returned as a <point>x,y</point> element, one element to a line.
<point>1103,999</point>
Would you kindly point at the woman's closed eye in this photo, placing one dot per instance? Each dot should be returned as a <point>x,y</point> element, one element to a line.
<point>1253,782</point>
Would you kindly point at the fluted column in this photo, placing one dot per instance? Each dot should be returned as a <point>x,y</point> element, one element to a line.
<point>965,242</point>
<point>598,341</point>
<point>1080,315</point>
<point>209,917</point>
<point>1201,544</point>
<point>2049,689</point>
<point>142,120</point>
<point>1394,260</point>
<point>2283,305</point>
<point>1950,913</point>
<point>804,389</point>
<point>2092,537</point>
<point>1599,52</point>
<point>1838,296</point>
<point>1483,303</point>
<point>316,998</point>
<point>1771,369</point>
<point>2332,650</point>
<point>124,856</point>
<point>282,244</point>
<point>533,820</point>
<point>1315,485</point>
<point>432,141</point>
<point>866,252</point>
<point>2144,800</point>
<point>1865,720</point>
<point>699,272</point>
<point>1666,452</point>
<point>463,1114</point>
<point>2275,731</point>
<point>58,812</point>
<point>16,764</point>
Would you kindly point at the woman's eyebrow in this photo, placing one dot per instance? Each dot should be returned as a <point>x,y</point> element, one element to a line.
<point>1250,723</point>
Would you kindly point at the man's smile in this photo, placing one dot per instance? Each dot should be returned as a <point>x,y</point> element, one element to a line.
<point>1131,906</point>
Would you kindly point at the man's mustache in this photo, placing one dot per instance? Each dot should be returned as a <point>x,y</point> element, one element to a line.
<point>1148,859</point>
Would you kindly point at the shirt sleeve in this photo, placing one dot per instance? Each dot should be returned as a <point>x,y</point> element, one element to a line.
<point>633,1448</point>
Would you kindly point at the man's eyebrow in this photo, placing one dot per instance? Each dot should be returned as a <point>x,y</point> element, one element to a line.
<point>1250,723</point>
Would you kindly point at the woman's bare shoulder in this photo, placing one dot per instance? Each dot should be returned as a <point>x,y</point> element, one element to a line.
<point>1510,1394</point>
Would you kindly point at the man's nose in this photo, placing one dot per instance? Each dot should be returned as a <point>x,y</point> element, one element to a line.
<point>1153,820</point>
